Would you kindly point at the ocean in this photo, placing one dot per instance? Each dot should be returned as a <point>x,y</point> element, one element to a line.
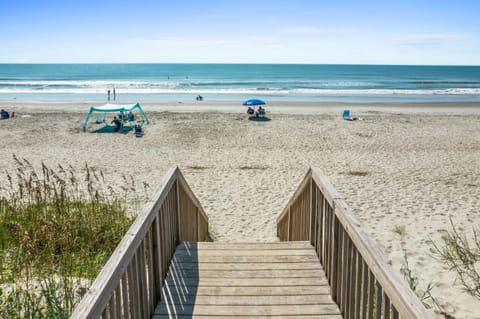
<point>237,82</point>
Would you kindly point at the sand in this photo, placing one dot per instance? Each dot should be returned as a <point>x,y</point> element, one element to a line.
<point>412,166</point>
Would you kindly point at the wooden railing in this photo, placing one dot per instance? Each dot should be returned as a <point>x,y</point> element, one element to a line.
<point>362,282</point>
<point>130,283</point>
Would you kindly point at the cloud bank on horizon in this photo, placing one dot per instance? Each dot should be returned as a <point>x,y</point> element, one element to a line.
<point>216,31</point>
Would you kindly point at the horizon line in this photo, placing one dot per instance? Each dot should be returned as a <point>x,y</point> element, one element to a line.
<point>233,63</point>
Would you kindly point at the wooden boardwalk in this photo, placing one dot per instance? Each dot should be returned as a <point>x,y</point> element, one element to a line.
<point>158,271</point>
<point>226,280</point>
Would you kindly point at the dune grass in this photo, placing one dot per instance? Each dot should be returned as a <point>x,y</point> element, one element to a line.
<point>462,256</point>
<point>57,229</point>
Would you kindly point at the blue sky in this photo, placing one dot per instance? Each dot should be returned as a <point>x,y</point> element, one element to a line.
<point>246,31</point>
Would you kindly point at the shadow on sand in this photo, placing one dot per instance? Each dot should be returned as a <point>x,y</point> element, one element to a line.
<point>111,129</point>
<point>258,118</point>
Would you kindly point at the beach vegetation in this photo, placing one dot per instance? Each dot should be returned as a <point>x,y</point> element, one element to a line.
<point>411,278</point>
<point>197,167</point>
<point>57,229</point>
<point>253,167</point>
<point>461,256</point>
<point>358,173</point>
<point>400,230</point>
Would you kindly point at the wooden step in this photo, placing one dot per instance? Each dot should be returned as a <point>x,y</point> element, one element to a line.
<point>244,246</point>
<point>245,259</point>
<point>261,280</point>
<point>249,310</point>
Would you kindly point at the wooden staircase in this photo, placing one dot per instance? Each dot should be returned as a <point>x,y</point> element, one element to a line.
<point>226,280</point>
<point>159,270</point>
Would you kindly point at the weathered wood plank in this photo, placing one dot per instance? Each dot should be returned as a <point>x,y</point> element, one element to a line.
<point>371,294</point>
<point>247,259</point>
<point>279,274</point>
<point>180,299</point>
<point>244,246</point>
<point>249,266</point>
<point>251,310</point>
<point>118,302</point>
<point>364,289</point>
<point>125,300</point>
<point>378,302</point>
<point>242,282</point>
<point>329,316</point>
<point>250,291</point>
<point>246,252</point>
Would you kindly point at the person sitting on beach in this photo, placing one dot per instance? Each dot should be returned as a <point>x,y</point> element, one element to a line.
<point>130,116</point>
<point>117,123</point>
<point>250,111</point>
<point>261,110</point>
<point>4,114</point>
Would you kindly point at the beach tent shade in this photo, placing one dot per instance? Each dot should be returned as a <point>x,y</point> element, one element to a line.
<point>115,108</point>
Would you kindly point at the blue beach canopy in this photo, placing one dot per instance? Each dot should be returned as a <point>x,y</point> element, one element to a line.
<point>253,102</point>
<point>111,108</point>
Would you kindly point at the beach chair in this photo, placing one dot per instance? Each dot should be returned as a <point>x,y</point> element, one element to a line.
<point>138,130</point>
<point>346,116</point>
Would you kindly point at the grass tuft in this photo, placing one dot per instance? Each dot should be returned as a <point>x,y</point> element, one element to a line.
<point>358,173</point>
<point>399,230</point>
<point>253,167</point>
<point>462,256</point>
<point>197,167</point>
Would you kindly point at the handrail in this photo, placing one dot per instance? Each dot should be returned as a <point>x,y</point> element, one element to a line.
<point>130,283</point>
<point>361,280</point>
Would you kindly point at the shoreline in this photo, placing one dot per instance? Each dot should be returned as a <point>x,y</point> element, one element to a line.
<point>236,107</point>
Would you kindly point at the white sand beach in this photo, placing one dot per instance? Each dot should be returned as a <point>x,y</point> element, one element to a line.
<point>413,166</point>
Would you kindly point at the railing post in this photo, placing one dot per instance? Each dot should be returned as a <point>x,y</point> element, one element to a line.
<point>197,224</point>
<point>177,189</point>
<point>157,257</point>
<point>335,246</point>
<point>289,232</point>
<point>310,232</point>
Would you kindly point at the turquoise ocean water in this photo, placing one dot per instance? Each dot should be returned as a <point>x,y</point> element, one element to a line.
<point>236,82</point>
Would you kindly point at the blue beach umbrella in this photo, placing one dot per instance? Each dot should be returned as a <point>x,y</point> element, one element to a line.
<point>253,102</point>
